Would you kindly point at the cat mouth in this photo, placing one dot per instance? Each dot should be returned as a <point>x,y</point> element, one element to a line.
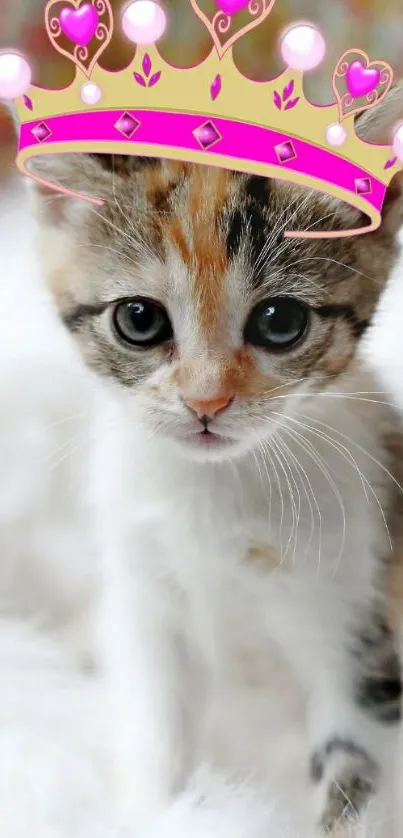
<point>206,444</point>
<point>209,439</point>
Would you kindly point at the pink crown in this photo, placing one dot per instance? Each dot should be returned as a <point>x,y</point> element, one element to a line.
<point>209,113</point>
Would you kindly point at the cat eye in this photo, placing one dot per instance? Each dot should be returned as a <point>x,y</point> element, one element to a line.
<point>277,324</point>
<point>142,322</point>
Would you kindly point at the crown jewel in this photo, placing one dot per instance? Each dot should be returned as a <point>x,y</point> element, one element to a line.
<point>209,113</point>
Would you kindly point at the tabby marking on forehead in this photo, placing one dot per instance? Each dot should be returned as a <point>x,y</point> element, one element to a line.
<point>195,234</point>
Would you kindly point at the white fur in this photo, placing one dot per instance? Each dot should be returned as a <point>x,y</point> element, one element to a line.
<point>174,537</point>
<point>243,711</point>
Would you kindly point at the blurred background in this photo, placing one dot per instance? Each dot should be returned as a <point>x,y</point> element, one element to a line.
<point>373,25</point>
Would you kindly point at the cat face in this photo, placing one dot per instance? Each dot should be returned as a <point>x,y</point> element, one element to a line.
<point>183,291</point>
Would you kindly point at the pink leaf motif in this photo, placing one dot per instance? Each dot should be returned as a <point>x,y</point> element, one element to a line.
<point>277,100</point>
<point>291,103</point>
<point>390,163</point>
<point>288,91</point>
<point>147,65</point>
<point>154,79</point>
<point>139,79</point>
<point>27,102</point>
<point>215,89</point>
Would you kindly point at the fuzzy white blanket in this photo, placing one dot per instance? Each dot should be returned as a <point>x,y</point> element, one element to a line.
<point>53,777</point>
<point>53,767</point>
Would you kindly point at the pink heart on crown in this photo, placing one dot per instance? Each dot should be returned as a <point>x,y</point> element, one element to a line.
<point>231,7</point>
<point>88,27</point>
<point>79,25</point>
<point>362,80</point>
<point>359,83</point>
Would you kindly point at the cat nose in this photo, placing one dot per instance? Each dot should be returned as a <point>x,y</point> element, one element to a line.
<point>208,410</point>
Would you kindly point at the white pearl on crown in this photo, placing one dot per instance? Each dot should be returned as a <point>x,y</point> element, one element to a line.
<point>15,76</point>
<point>336,135</point>
<point>398,143</point>
<point>90,93</point>
<point>303,47</point>
<point>144,22</point>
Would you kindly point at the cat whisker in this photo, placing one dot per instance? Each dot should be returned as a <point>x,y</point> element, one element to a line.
<point>267,453</point>
<point>119,253</point>
<point>69,449</point>
<point>341,395</point>
<point>282,284</point>
<point>152,212</point>
<point>301,440</point>
<point>284,245</point>
<point>287,455</point>
<point>311,494</point>
<point>346,454</point>
<point>292,382</point>
<point>310,227</point>
<point>294,510</point>
<point>134,241</point>
<point>363,451</point>
<point>285,469</point>
<point>351,397</point>
<point>116,202</point>
<point>306,280</point>
<point>277,230</point>
<point>67,419</point>
<point>303,476</point>
<point>258,466</point>
<point>333,261</point>
<point>270,488</point>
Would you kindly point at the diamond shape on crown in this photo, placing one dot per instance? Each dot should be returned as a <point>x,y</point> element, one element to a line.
<point>285,152</point>
<point>41,132</point>
<point>127,125</point>
<point>363,186</point>
<point>207,135</point>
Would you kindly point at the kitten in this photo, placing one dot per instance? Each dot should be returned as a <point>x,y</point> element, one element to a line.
<point>245,473</point>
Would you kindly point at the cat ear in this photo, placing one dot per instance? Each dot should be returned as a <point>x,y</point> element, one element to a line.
<point>78,173</point>
<point>377,126</point>
<point>93,175</point>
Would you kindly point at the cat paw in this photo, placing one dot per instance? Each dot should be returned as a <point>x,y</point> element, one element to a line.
<point>346,777</point>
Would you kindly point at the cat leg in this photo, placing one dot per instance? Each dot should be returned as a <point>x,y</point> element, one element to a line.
<point>137,621</point>
<point>143,677</point>
<point>343,656</point>
<point>354,715</point>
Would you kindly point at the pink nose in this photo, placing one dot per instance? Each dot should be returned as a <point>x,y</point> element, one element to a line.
<point>209,409</point>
